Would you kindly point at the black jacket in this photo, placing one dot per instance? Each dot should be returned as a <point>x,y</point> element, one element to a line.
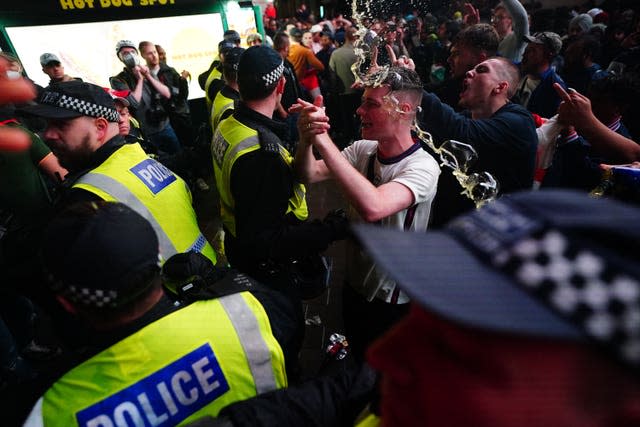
<point>261,185</point>
<point>506,145</point>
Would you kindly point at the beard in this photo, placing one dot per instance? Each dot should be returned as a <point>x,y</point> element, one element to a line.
<point>77,159</point>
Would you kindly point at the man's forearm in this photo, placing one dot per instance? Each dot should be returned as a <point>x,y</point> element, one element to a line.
<point>159,86</point>
<point>358,190</point>
<point>611,144</point>
<point>309,169</point>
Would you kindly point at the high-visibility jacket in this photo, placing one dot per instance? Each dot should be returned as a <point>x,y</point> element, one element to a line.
<point>215,74</point>
<point>221,103</point>
<point>191,363</point>
<point>129,176</point>
<point>371,420</point>
<point>232,140</point>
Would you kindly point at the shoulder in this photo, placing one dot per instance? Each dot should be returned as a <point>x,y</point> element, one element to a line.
<point>516,122</point>
<point>361,148</point>
<point>269,141</point>
<point>165,69</point>
<point>515,111</point>
<point>423,160</point>
<point>419,163</point>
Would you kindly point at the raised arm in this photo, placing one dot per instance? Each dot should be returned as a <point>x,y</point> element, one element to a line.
<point>162,89</point>
<point>372,203</point>
<point>312,120</point>
<point>519,19</point>
<point>575,109</point>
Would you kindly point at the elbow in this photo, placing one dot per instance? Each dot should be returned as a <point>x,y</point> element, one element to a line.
<point>369,214</point>
<point>303,176</point>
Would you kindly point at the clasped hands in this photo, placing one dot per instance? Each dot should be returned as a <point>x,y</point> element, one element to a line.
<point>312,120</point>
<point>141,71</point>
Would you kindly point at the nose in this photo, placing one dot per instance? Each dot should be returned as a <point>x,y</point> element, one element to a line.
<point>469,74</point>
<point>360,111</point>
<point>49,134</point>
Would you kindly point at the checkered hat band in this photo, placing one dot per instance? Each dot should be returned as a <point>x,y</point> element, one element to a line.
<point>83,107</point>
<point>581,286</point>
<point>98,298</point>
<point>273,76</point>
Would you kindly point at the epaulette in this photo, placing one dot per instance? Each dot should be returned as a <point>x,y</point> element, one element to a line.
<point>269,142</point>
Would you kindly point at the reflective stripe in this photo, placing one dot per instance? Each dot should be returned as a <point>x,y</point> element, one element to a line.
<point>255,348</point>
<point>299,191</point>
<point>35,418</point>
<point>217,114</point>
<point>123,195</point>
<point>245,144</point>
<point>232,154</point>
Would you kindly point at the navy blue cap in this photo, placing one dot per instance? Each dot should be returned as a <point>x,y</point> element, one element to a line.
<point>553,264</point>
<point>90,250</point>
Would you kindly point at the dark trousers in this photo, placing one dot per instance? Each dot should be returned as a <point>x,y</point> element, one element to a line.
<point>366,321</point>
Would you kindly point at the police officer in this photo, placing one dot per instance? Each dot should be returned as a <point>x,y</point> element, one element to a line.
<point>263,206</point>
<point>151,361</point>
<point>224,102</point>
<point>83,131</point>
<point>211,81</point>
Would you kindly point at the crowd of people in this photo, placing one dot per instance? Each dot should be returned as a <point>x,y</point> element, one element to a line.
<point>488,281</point>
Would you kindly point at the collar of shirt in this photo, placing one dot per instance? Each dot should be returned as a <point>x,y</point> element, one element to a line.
<point>254,119</point>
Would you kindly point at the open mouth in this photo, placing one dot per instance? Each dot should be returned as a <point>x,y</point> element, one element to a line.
<point>465,87</point>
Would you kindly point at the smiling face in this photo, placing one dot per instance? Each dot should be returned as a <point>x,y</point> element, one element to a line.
<point>307,39</point>
<point>376,116</point>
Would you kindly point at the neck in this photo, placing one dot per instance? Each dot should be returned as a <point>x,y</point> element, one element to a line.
<point>487,110</point>
<point>266,106</point>
<point>137,312</point>
<point>392,147</point>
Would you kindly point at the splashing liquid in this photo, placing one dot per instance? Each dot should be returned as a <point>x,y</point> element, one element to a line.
<point>480,187</point>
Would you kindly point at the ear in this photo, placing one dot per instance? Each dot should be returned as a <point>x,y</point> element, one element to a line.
<point>482,57</point>
<point>500,88</point>
<point>102,125</point>
<point>280,87</point>
<point>406,108</point>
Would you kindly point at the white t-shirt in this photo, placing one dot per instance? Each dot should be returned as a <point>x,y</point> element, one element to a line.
<point>415,169</point>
